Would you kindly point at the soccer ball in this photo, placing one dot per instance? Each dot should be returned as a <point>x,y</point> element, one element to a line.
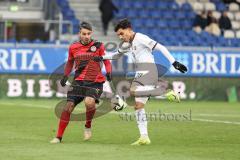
<point>118,103</point>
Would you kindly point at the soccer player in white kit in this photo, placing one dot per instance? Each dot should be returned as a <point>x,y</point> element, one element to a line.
<point>141,47</point>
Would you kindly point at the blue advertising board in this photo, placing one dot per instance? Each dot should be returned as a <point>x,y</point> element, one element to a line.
<point>46,60</point>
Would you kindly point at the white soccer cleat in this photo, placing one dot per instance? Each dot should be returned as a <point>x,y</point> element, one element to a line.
<point>55,141</point>
<point>87,134</point>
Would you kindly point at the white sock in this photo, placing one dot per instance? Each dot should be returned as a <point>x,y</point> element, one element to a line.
<point>141,119</point>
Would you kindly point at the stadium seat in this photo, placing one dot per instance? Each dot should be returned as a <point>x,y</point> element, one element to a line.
<point>155,14</point>
<point>216,14</point>
<point>173,24</point>
<point>197,6</point>
<point>186,24</point>
<point>235,42</point>
<point>12,40</point>
<point>238,34</point>
<point>138,23</point>
<point>37,41</point>
<point>150,23</point>
<point>181,2</point>
<point>230,15</point>
<point>220,6</point>
<point>174,6</point>
<point>168,15</point>
<point>138,5</point>
<point>237,16</point>
<point>233,7</point>
<point>235,25</point>
<point>229,34</point>
<point>186,7</point>
<point>179,15</point>
<point>162,24</point>
<point>209,6</point>
<point>24,40</point>
<point>162,5</point>
<point>149,5</point>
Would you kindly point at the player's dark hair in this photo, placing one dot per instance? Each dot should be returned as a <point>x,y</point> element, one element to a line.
<point>86,25</point>
<point>123,24</point>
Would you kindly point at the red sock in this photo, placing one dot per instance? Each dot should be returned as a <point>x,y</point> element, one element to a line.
<point>89,116</point>
<point>64,120</point>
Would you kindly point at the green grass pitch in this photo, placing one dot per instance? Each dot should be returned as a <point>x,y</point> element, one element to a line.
<point>212,133</point>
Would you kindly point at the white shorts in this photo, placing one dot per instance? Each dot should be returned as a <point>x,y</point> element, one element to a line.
<point>145,79</point>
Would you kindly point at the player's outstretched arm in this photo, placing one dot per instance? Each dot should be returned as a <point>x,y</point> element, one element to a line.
<point>177,65</point>
<point>124,47</point>
<point>68,68</point>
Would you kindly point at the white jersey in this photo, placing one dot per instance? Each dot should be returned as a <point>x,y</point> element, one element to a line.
<point>141,49</point>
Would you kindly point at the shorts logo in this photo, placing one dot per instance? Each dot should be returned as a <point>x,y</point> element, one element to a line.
<point>93,49</point>
<point>97,91</point>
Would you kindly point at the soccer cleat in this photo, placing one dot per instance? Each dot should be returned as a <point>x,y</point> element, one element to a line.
<point>87,134</point>
<point>55,140</point>
<point>142,141</point>
<point>172,96</point>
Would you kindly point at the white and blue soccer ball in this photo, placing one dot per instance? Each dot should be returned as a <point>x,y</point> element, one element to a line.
<point>118,103</point>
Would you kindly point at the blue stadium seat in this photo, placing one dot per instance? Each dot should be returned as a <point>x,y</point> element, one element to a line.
<point>186,24</point>
<point>38,41</point>
<point>155,14</point>
<point>173,6</point>
<point>138,23</point>
<point>179,15</point>
<point>121,14</point>
<point>186,7</point>
<point>221,7</point>
<point>51,42</point>
<point>235,42</point>
<point>190,15</point>
<point>162,5</point>
<point>11,40</point>
<point>168,15</point>
<point>138,5</point>
<point>154,32</point>
<point>150,23</point>
<point>24,40</point>
<point>174,24</point>
<point>149,5</point>
<point>162,24</point>
<point>64,42</point>
<point>144,14</point>
<point>126,4</point>
<point>132,14</point>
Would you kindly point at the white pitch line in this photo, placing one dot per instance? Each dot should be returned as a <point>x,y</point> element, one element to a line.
<point>112,112</point>
<point>218,115</point>
<point>216,121</point>
<point>26,105</point>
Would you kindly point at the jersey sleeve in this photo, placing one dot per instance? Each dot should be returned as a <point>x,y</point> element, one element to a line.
<point>70,62</point>
<point>147,41</point>
<point>107,63</point>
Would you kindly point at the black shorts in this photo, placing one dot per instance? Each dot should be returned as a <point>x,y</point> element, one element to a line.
<point>81,89</point>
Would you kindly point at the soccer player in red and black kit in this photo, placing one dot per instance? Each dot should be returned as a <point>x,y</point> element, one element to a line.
<point>88,79</point>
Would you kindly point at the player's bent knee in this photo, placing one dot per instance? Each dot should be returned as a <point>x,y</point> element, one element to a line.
<point>139,105</point>
<point>132,91</point>
<point>89,102</point>
<point>69,107</point>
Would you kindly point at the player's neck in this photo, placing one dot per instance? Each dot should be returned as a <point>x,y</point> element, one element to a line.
<point>132,36</point>
<point>85,43</point>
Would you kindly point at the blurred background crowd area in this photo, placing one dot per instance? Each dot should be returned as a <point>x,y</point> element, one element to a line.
<point>204,23</point>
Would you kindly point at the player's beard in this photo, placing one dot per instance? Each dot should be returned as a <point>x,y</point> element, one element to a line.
<point>85,41</point>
